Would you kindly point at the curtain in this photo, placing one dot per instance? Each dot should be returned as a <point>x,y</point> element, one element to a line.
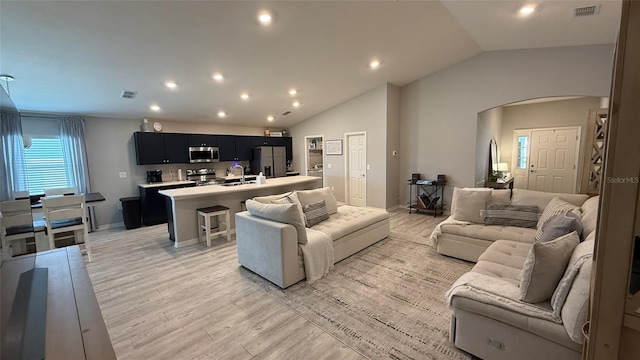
<point>74,151</point>
<point>13,172</point>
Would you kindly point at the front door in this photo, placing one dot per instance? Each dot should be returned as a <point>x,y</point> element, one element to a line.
<point>357,169</point>
<point>553,160</point>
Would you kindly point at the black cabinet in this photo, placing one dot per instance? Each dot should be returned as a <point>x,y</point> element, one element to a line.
<point>154,209</point>
<point>235,148</point>
<point>202,140</point>
<point>159,148</point>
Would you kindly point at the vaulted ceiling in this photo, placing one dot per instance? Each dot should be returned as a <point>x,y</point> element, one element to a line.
<point>76,57</point>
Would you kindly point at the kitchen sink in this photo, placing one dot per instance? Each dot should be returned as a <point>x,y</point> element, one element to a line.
<point>235,183</point>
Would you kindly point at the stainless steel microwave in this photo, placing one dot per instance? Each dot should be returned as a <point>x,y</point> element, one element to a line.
<point>203,154</point>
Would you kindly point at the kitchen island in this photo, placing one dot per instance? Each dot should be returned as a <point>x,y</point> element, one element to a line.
<point>182,203</point>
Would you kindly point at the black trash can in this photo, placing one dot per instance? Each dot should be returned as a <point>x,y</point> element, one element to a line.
<point>131,212</point>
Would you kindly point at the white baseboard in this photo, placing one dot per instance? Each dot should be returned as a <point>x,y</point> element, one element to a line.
<point>117,225</point>
<point>393,208</point>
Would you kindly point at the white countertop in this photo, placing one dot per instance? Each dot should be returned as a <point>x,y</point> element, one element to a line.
<point>236,177</point>
<point>191,192</point>
<point>166,183</point>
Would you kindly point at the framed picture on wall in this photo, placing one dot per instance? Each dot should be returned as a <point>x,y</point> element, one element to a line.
<point>333,147</point>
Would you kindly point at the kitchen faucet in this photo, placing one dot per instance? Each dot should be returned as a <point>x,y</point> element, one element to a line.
<point>242,172</point>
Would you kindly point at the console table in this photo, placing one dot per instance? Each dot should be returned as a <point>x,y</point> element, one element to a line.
<point>426,196</point>
<point>503,184</point>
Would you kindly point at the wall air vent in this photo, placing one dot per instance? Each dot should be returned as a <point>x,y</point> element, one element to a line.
<point>128,94</point>
<point>586,10</point>
<point>286,112</point>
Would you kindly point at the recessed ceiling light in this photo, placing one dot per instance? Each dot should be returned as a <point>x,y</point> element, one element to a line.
<point>222,114</point>
<point>293,92</point>
<point>171,84</point>
<point>265,18</point>
<point>374,64</point>
<point>296,104</point>
<point>155,107</point>
<point>244,96</point>
<point>269,118</point>
<point>218,77</point>
<point>527,10</point>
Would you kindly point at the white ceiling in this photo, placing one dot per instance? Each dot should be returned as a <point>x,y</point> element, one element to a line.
<point>76,57</point>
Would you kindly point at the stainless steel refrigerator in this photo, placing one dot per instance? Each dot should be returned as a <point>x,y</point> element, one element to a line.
<point>270,160</point>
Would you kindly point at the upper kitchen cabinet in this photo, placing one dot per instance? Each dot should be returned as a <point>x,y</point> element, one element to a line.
<point>235,148</point>
<point>160,148</point>
<point>202,140</point>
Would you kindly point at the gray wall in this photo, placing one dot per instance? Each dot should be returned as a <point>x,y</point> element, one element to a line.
<point>393,144</point>
<point>573,112</point>
<point>489,128</point>
<point>439,112</point>
<point>366,112</point>
<point>110,149</point>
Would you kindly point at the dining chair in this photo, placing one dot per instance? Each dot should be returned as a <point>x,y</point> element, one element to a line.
<point>66,214</point>
<point>16,223</point>
<point>60,191</point>
<point>19,195</point>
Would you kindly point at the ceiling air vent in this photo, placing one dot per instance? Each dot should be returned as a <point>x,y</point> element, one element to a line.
<point>286,112</point>
<point>586,10</point>
<point>127,94</point>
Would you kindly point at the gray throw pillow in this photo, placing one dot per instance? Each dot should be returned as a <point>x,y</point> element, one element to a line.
<point>525,216</point>
<point>315,213</point>
<point>561,224</point>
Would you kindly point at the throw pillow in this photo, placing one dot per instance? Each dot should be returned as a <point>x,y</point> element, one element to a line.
<point>284,213</point>
<point>544,267</point>
<point>559,225</point>
<point>469,203</point>
<point>511,215</point>
<point>290,198</point>
<point>315,213</point>
<point>308,197</point>
<point>555,206</point>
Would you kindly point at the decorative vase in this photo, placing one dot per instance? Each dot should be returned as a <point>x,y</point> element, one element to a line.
<point>144,126</point>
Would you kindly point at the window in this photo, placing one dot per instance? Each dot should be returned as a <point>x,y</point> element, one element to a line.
<point>523,151</point>
<point>45,165</point>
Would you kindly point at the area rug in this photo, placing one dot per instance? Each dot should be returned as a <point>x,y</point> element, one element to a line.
<point>387,301</point>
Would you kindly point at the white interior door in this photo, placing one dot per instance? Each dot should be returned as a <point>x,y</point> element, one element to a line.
<point>552,165</point>
<point>357,163</point>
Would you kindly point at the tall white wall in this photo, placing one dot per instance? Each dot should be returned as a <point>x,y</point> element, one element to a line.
<point>366,112</point>
<point>489,128</point>
<point>393,144</point>
<point>439,112</point>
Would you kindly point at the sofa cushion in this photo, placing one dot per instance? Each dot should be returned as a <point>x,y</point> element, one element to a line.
<point>545,266</point>
<point>511,215</point>
<point>315,213</point>
<point>555,206</point>
<point>561,224</point>
<point>503,259</point>
<point>589,215</point>
<point>469,204</point>
<point>284,213</point>
<point>542,199</point>
<point>349,219</point>
<point>582,253</point>
<point>308,197</point>
<point>491,232</point>
<point>498,196</point>
<point>574,311</point>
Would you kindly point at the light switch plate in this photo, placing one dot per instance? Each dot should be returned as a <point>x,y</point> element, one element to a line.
<point>368,166</point>
<point>328,166</point>
<point>123,175</point>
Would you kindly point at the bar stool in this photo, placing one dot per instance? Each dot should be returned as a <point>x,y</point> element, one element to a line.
<point>204,222</point>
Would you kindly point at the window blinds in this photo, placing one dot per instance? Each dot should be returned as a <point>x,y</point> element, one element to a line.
<point>45,165</point>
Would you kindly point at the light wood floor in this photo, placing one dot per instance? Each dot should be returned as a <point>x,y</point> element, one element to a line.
<point>159,302</point>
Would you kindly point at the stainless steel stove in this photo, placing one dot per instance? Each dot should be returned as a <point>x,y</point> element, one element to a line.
<point>204,176</point>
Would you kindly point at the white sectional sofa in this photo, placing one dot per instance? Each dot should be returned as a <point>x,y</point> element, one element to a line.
<point>468,241</point>
<point>489,319</point>
<point>272,249</point>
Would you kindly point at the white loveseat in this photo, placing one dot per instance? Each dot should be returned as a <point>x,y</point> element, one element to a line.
<point>271,249</point>
<point>491,322</point>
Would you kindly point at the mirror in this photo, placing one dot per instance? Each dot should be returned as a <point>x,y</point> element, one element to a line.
<point>493,156</point>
